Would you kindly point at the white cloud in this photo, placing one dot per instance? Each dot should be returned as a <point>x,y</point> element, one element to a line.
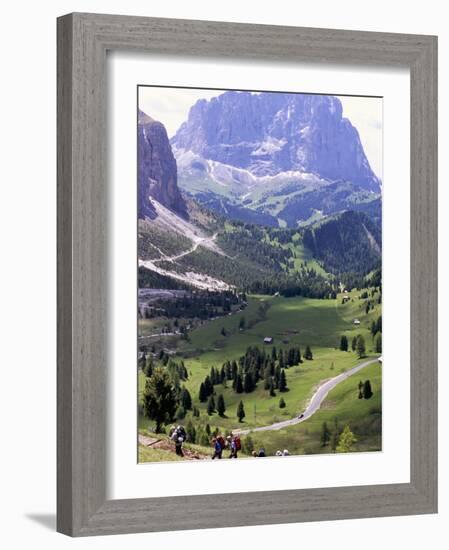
<point>171,107</point>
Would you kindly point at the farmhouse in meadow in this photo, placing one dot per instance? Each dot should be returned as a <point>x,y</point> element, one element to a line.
<point>268,340</point>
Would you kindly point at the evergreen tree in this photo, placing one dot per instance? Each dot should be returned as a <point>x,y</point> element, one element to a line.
<point>202,393</point>
<point>335,435</point>
<point>159,398</point>
<point>238,384</point>
<point>360,347</point>
<point>325,435</point>
<point>282,403</point>
<point>186,399</point>
<point>308,353</point>
<point>367,391</point>
<point>209,387</point>
<point>242,323</point>
<point>211,405</point>
<point>282,381</point>
<point>221,406</point>
<point>354,343</point>
<point>378,343</point>
<point>196,412</point>
<point>274,353</point>
<point>281,359</point>
<point>272,392</point>
<point>346,441</point>
<point>344,343</point>
<point>248,383</point>
<point>208,432</point>
<point>240,411</point>
<point>223,331</point>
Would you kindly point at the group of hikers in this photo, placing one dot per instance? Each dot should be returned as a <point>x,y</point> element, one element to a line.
<point>232,443</point>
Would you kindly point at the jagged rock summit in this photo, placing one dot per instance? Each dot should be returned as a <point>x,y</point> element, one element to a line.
<point>270,133</point>
<point>157,171</point>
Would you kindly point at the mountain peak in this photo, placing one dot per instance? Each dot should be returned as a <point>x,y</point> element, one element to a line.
<point>270,133</point>
<point>157,171</point>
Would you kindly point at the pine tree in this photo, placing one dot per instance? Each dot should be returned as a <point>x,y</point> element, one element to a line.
<point>308,353</point>
<point>186,399</point>
<point>346,441</point>
<point>202,393</point>
<point>282,403</point>
<point>238,384</point>
<point>344,343</point>
<point>360,347</point>
<point>221,406</point>
<point>209,387</point>
<point>208,432</point>
<point>272,392</point>
<point>282,381</point>
<point>281,359</point>
<point>223,331</point>
<point>378,343</point>
<point>240,411</point>
<point>367,391</point>
<point>354,343</point>
<point>196,412</point>
<point>325,435</point>
<point>242,323</point>
<point>211,405</point>
<point>248,384</point>
<point>159,398</point>
<point>274,353</point>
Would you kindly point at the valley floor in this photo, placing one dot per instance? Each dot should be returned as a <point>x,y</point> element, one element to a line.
<point>289,322</point>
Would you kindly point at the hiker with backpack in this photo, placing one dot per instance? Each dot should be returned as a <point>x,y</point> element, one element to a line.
<point>218,449</point>
<point>235,445</point>
<point>179,436</point>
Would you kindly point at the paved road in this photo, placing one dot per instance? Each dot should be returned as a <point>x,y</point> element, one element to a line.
<point>314,404</point>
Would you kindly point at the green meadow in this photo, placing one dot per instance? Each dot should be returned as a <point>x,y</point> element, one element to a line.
<point>290,322</point>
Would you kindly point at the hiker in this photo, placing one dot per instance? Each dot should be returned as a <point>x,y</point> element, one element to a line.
<point>234,444</point>
<point>278,452</point>
<point>218,449</point>
<point>179,436</point>
<point>285,453</point>
<point>254,454</point>
<point>261,453</point>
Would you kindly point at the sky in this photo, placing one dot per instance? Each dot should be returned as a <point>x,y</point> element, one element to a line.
<point>171,107</point>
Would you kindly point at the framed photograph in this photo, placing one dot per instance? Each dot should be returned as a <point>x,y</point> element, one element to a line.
<point>247,270</point>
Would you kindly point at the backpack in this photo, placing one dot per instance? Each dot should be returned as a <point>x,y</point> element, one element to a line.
<point>182,433</point>
<point>238,444</point>
<point>221,441</point>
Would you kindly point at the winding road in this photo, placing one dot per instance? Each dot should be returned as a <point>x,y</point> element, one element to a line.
<point>315,402</point>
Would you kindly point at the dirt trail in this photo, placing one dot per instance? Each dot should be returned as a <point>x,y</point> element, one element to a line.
<point>166,445</point>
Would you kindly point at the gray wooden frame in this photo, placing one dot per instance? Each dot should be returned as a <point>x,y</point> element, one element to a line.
<point>83,40</point>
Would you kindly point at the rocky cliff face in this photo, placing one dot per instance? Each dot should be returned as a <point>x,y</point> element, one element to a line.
<point>271,133</point>
<point>157,172</point>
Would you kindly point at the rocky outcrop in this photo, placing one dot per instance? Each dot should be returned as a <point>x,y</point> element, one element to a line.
<point>157,172</point>
<point>271,133</point>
